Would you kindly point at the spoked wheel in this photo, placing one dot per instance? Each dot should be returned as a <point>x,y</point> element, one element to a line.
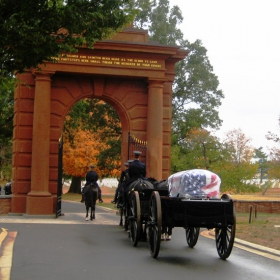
<point>192,234</point>
<point>155,223</point>
<point>134,219</point>
<point>225,236</point>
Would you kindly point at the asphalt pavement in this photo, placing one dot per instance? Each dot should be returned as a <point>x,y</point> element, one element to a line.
<point>61,248</point>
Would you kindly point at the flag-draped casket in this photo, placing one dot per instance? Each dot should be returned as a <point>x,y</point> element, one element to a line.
<point>195,183</point>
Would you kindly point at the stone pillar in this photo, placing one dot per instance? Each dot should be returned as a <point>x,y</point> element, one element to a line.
<point>154,129</point>
<point>39,199</point>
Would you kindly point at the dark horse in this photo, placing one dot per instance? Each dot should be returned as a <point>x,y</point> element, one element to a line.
<point>138,185</point>
<point>90,196</point>
<point>120,201</point>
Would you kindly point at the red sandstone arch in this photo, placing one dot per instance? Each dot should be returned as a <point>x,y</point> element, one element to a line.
<point>131,74</point>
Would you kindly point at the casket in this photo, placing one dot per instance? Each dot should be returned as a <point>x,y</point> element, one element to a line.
<point>195,183</point>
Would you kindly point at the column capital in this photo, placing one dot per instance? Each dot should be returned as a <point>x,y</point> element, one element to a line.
<point>156,84</point>
<point>157,81</point>
<point>42,73</point>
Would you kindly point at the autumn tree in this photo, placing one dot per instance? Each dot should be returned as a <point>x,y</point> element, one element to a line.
<point>274,154</point>
<point>99,142</point>
<point>32,32</point>
<point>239,168</point>
<point>274,163</point>
<point>78,154</point>
<point>240,146</point>
<point>99,118</point>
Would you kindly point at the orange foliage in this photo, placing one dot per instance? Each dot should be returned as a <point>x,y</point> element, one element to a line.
<point>83,151</point>
<point>77,156</point>
<point>240,145</point>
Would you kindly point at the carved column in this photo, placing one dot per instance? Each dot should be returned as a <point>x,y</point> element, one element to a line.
<point>154,129</point>
<point>39,200</point>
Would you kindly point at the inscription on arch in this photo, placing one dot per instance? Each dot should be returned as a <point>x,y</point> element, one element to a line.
<point>112,61</point>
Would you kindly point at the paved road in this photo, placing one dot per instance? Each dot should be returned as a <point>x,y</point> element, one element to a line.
<point>71,248</point>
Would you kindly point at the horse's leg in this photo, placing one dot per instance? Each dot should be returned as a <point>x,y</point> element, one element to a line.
<point>125,211</point>
<point>121,218</point>
<point>93,211</point>
<point>87,208</point>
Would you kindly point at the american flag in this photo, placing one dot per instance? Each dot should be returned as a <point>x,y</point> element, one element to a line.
<point>198,183</point>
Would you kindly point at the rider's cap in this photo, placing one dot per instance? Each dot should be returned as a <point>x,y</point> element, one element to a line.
<point>137,153</point>
<point>92,165</point>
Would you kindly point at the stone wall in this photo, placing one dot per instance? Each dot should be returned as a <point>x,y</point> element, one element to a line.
<point>259,205</point>
<point>5,204</point>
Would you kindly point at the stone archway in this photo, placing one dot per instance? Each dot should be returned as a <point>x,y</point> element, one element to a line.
<point>131,74</point>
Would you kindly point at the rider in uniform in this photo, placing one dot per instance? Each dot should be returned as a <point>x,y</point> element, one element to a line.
<point>136,170</point>
<point>92,177</point>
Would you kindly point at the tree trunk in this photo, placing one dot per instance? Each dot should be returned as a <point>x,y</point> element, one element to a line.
<point>75,186</point>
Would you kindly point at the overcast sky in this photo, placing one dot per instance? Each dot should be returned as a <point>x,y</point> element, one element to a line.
<point>243,42</point>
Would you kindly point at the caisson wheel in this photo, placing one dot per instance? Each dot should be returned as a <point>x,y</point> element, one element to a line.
<point>192,234</point>
<point>225,235</point>
<point>155,223</point>
<point>135,218</point>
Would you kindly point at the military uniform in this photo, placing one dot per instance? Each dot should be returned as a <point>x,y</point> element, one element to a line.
<point>136,170</point>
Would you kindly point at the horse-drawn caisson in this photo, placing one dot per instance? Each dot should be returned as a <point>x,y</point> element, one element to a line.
<point>191,201</point>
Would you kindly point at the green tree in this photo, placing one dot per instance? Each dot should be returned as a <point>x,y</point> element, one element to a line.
<point>199,149</point>
<point>32,32</point>
<point>6,124</point>
<point>143,8</point>
<point>7,85</point>
<point>261,158</point>
<point>196,97</point>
